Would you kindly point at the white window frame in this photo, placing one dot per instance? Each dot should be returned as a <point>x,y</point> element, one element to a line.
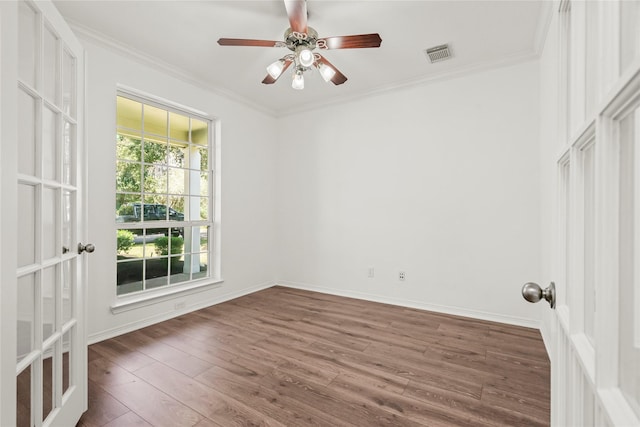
<point>134,300</point>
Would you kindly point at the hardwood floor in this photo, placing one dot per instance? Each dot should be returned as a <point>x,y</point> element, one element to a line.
<point>286,357</point>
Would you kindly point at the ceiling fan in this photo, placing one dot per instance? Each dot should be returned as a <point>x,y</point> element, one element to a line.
<point>302,40</point>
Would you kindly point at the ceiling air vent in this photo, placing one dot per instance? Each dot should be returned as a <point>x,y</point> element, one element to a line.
<point>438,53</point>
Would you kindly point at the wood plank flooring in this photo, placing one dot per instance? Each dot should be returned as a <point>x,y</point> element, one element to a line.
<point>286,357</point>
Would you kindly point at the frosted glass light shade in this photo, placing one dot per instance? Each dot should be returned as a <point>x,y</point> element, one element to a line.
<point>298,81</point>
<point>326,72</point>
<point>276,68</point>
<point>305,57</point>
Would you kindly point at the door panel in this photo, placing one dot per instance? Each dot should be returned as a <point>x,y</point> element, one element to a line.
<point>51,347</point>
<point>594,334</point>
<point>629,330</point>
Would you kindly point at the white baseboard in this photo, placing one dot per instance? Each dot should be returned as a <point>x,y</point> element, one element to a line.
<point>142,323</point>
<point>456,311</point>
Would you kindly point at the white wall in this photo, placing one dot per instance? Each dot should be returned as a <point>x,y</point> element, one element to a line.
<point>248,148</point>
<point>440,181</point>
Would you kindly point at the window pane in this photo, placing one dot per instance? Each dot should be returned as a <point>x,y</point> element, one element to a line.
<point>179,205</point>
<point>155,208</point>
<point>176,156</point>
<point>26,310</point>
<point>27,23</point>
<point>564,199</point>
<point>592,37</point>
<point>204,208</point>
<point>630,33</point>
<point>204,239</point>
<point>68,212</point>
<point>128,148</point>
<point>69,84</point>
<point>49,144</point>
<point>156,272</point>
<point>179,181</point>
<point>23,409</point>
<point>156,242</point>
<point>26,134</point>
<point>27,225</point>
<point>204,159</point>
<point>185,262</point>
<point>47,386</point>
<point>68,153</point>
<point>155,152</point>
<point>629,331</point>
<point>128,208</point>
<point>49,223</point>
<point>68,280</point>
<point>129,277</point>
<point>204,183</point>
<point>199,132</point>
<point>128,177</point>
<point>155,179</point>
<point>155,120</point>
<point>179,270</point>
<point>49,279</point>
<point>129,245</point>
<point>128,113</point>
<point>203,268</point>
<point>179,127</point>
<point>50,68</point>
<point>66,361</point>
<point>589,169</point>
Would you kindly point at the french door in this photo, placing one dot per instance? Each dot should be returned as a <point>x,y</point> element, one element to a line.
<point>594,334</point>
<point>49,355</point>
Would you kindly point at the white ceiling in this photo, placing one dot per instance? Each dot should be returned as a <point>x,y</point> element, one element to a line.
<point>183,36</point>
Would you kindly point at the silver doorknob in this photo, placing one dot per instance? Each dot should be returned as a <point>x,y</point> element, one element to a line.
<point>86,248</point>
<point>532,292</point>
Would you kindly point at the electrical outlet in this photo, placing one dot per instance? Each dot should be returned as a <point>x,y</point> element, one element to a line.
<point>401,275</point>
<point>180,305</point>
<point>371,272</point>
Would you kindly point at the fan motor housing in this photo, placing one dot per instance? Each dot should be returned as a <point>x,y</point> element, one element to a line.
<point>294,39</point>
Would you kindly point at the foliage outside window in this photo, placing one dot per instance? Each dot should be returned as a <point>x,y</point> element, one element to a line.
<point>163,195</point>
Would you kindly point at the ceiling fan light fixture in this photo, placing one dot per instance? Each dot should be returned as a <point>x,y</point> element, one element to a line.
<point>275,69</point>
<point>301,40</point>
<point>298,80</point>
<point>305,57</point>
<point>326,72</point>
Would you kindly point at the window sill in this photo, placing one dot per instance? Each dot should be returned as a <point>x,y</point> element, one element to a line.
<point>127,303</point>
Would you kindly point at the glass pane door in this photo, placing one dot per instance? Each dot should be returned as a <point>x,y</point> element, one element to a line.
<point>50,355</point>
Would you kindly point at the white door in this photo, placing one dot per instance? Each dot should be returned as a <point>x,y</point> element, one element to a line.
<point>594,333</point>
<point>49,355</point>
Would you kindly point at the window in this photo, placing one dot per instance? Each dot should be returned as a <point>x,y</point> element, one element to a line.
<point>163,206</point>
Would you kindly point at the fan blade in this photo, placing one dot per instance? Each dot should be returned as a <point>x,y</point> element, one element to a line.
<point>297,11</point>
<point>352,42</point>
<point>270,80</point>
<point>248,42</point>
<point>338,78</point>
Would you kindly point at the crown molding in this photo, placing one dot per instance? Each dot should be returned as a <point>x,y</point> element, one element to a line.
<point>143,58</point>
<point>86,33</point>
<point>517,58</point>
